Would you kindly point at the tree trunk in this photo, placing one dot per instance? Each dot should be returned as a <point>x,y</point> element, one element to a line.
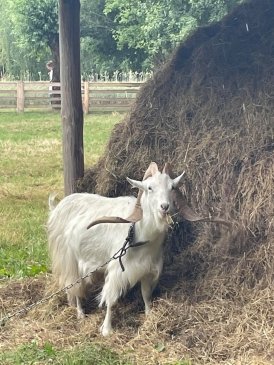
<point>55,52</point>
<point>71,104</point>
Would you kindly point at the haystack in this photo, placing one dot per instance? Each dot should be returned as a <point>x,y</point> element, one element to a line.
<point>210,111</point>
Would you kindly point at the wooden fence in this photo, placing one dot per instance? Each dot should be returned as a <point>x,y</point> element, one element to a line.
<point>44,95</point>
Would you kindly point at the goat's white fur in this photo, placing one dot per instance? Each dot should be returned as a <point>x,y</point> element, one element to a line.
<point>75,251</point>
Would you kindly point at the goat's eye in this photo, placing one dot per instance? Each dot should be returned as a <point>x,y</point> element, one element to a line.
<point>172,187</point>
<point>149,188</point>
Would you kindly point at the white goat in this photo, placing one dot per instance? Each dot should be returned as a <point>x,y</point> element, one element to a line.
<point>76,250</point>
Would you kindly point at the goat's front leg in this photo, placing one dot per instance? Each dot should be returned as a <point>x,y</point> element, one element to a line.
<point>148,284</point>
<point>115,285</point>
<point>106,328</point>
<point>109,300</point>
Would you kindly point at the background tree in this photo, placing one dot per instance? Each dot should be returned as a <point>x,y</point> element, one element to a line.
<point>157,26</point>
<point>38,23</point>
<point>29,37</point>
<point>13,61</point>
<point>99,48</point>
<point>115,34</point>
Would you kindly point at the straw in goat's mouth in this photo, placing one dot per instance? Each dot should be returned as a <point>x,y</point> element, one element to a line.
<point>169,219</point>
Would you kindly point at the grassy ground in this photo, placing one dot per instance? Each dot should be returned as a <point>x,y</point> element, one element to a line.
<point>31,353</point>
<point>31,168</point>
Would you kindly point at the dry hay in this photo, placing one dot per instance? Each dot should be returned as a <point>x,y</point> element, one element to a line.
<point>209,111</point>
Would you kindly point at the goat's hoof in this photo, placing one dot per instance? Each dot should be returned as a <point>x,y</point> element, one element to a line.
<point>105,331</point>
<point>147,311</point>
<point>81,315</point>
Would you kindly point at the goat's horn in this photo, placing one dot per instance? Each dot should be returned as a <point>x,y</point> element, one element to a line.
<point>137,213</point>
<point>188,213</point>
<point>107,220</point>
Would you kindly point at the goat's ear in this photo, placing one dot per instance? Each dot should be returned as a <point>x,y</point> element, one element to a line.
<point>136,184</point>
<point>178,180</point>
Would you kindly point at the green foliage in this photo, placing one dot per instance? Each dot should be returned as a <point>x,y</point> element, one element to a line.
<point>28,34</point>
<point>208,11</point>
<point>158,25</point>
<point>115,34</point>
<point>155,26</point>
<point>37,30</point>
<point>99,49</point>
<point>35,23</point>
<point>38,22</point>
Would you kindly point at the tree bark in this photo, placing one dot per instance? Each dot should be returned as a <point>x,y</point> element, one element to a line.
<point>55,52</point>
<point>71,103</point>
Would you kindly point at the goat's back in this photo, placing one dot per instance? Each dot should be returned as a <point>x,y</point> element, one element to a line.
<point>74,249</point>
<point>92,205</point>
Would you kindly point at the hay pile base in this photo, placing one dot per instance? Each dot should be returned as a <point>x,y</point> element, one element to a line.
<point>222,329</point>
<point>209,111</point>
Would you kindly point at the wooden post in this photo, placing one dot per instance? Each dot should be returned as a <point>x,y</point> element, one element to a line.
<point>20,97</point>
<point>86,97</point>
<point>71,99</point>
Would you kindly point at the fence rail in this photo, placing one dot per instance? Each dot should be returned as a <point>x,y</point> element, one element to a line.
<point>44,95</point>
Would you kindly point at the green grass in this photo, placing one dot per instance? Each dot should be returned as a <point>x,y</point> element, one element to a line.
<point>30,169</point>
<point>87,354</point>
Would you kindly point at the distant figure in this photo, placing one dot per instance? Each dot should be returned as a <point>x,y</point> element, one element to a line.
<point>49,66</point>
<point>54,103</point>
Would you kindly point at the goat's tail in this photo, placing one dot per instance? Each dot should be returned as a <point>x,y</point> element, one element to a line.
<point>52,201</point>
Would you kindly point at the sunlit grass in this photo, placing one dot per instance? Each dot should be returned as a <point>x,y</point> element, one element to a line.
<point>47,354</point>
<point>30,169</point>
